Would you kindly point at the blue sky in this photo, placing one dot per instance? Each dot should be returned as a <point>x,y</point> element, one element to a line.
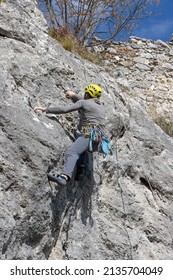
<point>159,26</point>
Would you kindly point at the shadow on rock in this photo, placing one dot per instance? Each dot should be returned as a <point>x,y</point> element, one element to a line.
<point>72,202</point>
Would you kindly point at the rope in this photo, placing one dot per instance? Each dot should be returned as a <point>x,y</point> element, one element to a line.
<point>118,179</point>
<point>123,203</point>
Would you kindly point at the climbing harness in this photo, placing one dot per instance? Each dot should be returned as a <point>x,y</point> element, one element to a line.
<point>96,136</point>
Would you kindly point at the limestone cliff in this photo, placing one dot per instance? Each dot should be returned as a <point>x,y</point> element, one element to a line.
<point>122,209</point>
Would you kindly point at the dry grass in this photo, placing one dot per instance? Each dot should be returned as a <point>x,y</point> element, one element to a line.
<point>162,120</point>
<point>166,125</point>
<point>69,43</point>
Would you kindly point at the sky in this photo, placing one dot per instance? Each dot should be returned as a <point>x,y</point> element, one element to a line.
<point>159,26</point>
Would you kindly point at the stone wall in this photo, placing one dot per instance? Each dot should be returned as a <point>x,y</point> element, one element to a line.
<point>144,69</point>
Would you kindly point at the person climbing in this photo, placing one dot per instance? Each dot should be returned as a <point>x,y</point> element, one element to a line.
<point>92,118</point>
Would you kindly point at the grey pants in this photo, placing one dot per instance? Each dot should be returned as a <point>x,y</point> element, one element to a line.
<point>76,151</point>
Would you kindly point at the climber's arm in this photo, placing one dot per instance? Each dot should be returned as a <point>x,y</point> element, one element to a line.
<point>61,109</point>
<point>65,109</point>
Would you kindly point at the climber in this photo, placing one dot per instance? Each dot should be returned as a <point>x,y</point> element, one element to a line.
<point>92,116</point>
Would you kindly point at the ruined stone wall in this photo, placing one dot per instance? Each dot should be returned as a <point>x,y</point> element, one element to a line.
<point>143,69</point>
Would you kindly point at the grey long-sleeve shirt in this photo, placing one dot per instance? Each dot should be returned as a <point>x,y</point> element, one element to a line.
<point>91,110</point>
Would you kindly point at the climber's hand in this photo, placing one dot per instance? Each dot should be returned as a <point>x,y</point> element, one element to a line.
<point>39,109</point>
<point>69,94</point>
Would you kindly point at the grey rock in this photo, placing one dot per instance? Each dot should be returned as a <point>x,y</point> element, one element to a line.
<point>163,44</point>
<point>171,38</point>
<point>122,209</point>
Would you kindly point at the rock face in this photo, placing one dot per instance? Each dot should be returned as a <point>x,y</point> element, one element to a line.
<point>122,209</point>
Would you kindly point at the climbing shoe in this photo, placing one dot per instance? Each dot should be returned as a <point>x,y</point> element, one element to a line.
<point>81,170</point>
<point>59,179</point>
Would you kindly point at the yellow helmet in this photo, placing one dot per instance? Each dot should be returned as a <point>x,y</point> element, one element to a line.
<point>94,90</point>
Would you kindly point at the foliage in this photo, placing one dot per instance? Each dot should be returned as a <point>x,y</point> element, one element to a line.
<point>105,19</point>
